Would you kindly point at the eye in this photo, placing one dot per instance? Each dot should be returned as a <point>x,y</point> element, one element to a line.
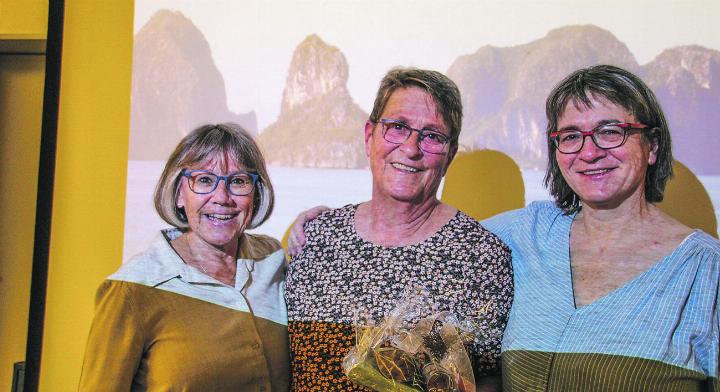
<point>240,180</point>
<point>567,137</point>
<point>435,137</point>
<point>397,126</point>
<point>205,179</point>
<point>611,130</point>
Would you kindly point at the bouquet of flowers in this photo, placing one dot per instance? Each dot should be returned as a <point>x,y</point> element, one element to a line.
<point>409,352</point>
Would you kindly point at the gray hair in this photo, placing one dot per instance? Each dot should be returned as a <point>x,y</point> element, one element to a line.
<point>443,90</point>
<point>225,141</point>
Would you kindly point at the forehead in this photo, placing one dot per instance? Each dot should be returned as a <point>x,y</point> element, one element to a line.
<point>413,103</point>
<point>597,110</point>
<point>218,162</point>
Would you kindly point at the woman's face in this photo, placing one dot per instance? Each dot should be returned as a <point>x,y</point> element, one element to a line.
<point>217,218</point>
<point>404,172</point>
<point>604,178</point>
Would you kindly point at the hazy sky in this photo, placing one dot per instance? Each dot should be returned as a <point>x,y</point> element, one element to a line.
<point>252,41</point>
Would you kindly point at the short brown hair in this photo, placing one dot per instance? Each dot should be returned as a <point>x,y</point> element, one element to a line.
<point>227,141</point>
<point>443,90</point>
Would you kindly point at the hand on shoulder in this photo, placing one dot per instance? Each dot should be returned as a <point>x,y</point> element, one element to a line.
<point>296,239</point>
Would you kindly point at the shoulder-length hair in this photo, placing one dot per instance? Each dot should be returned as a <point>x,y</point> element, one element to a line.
<point>623,89</point>
<point>223,142</point>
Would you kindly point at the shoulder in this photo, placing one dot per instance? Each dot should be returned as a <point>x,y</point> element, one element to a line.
<point>466,235</point>
<point>121,294</point>
<point>258,246</point>
<point>267,254</point>
<point>472,228</point>
<point>341,214</point>
<point>704,244</point>
<point>538,215</point>
<point>329,222</point>
<point>156,264</point>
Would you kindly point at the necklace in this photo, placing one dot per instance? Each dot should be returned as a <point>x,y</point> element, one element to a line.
<point>203,269</point>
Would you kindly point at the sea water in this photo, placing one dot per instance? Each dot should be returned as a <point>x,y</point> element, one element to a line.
<point>296,189</point>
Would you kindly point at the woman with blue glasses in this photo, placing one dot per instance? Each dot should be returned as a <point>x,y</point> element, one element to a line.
<point>202,309</point>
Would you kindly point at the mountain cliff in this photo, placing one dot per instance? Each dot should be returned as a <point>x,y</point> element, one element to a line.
<point>686,81</point>
<point>504,89</point>
<point>319,124</point>
<point>504,92</point>
<point>175,88</point>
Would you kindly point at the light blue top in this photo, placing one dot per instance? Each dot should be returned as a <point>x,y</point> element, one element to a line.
<point>259,280</point>
<point>669,313</point>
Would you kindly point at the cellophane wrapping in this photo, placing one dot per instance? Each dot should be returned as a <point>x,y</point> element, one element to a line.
<point>414,348</point>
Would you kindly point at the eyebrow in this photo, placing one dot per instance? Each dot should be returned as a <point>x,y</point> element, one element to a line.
<point>432,127</point>
<point>573,127</point>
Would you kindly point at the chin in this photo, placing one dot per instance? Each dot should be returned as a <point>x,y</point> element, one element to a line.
<point>221,240</point>
<point>601,202</point>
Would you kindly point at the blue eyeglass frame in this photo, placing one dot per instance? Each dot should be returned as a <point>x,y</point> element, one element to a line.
<point>254,176</point>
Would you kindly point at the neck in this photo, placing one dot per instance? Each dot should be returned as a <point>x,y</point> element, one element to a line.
<point>397,223</point>
<point>616,221</point>
<point>208,257</point>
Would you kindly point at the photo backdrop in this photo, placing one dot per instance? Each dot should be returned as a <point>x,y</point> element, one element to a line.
<point>301,76</point>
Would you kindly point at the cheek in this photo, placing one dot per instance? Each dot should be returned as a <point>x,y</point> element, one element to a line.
<point>437,162</point>
<point>563,161</point>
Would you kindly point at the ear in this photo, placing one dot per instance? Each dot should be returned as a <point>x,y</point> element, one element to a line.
<point>180,201</point>
<point>450,157</point>
<point>654,146</point>
<point>369,128</point>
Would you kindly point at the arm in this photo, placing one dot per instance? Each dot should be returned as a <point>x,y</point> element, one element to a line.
<point>296,239</point>
<point>116,342</point>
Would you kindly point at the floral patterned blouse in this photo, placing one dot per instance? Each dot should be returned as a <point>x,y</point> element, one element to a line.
<point>466,269</point>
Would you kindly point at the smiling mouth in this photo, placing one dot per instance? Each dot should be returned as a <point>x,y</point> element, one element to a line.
<point>595,172</point>
<point>220,217</point>
<point>404,168</point>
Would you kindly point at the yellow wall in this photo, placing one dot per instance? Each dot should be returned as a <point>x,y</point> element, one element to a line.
<point>23,18</point>
<point>90,176</point>
<point>21,93</point>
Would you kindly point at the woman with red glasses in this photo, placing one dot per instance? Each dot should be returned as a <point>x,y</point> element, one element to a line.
<point>611,293</point>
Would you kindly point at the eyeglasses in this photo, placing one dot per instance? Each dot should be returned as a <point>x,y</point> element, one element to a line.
<point>431,141</point>
<point>606,136</point>
<point>240,183</point>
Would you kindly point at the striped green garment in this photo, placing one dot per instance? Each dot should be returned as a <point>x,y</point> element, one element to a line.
<point>658,332</point>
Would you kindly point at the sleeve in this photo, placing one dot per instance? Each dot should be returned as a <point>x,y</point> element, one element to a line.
<point>501,224</point>
<point>116,342</point>
<point>317,233</point>
<point>493,300</point>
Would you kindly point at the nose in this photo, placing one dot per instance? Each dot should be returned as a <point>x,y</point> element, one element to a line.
<point>411,146</point>
<point>221,195</point>
<point>590,151</point>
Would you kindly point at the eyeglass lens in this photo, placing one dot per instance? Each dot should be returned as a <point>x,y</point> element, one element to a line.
<point>430,141</point>
<point>606,137</point>
<point>239,184</point>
